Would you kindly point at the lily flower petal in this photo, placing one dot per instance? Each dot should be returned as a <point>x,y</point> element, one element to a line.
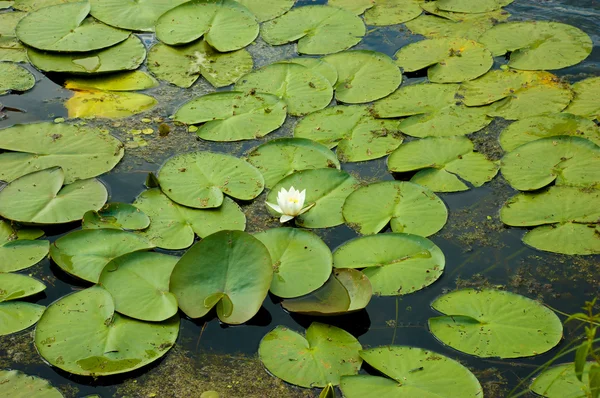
<point>285,218</point>
<point>274,207</point>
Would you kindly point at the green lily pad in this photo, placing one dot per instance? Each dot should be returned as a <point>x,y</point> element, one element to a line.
<point>199,179</point>
<point>81,334</point>
<point>173,226</point>
<point>498,15</point>
<point>301,261</point>
<point>126,81</point>
<point>18,250</point>
<point>9,21</point>
<point>265,10</point>
<point>11,50</point>
<point>538,45</point>
<point>412,372</point>
<point>20,385</point>
<point>346,290</point>
<point>320,358</point>
<point>565,160</point>
<point>326,188</point>
<point>85,253</point>
<point>444,25</point>
<point>230,270</point>
<point>364,76</point>
<point>442,162</point>
<point>382,12</point>
<point>127,55</point>
<point>40,198</point>
<point>6,4</point>
<point>514,94</point>
<point>357,135</point>
<point>432,111</point>
<point>467,6</point>
<point>116,216</point>
<point>16,316</point>
<point>14,78</point>
<point>281,157</point>
<point>317,65</point>
<point>408,207</point>
<point>319,29</point>
<point>302,89</point>
<point>566,219</point>
<point>396,264</point>
<point>585,103</point>
<point>82,152</point>
<point>233,115</point>
<point>15,286</point>
<point>65,28</point>
<point>139,284</point>
<point>139,15</point>
<point>183,65</point>
<point>560,382</point>
<point>32,5</point>
<point>494,323</point>
<point>225,24</point>
<point>107,104</point>
<point>537,127</point>
<point>449,60</point>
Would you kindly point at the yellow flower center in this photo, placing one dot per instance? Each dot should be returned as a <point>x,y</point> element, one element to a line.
<point>293,200</point>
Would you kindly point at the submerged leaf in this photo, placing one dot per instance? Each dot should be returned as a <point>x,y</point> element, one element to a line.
<point>14,78</point>
<point>107,104</point>
<point>126,81</point>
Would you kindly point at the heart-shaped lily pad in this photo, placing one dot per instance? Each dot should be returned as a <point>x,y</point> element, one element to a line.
<point>450,24</point>
<point>82,152</point>
<point>19,385</point>
<point>126,81</point>
<point>81,334</point>
<point>265,10</point>
<point>140,15</point>
<point>442,163</point>
<point>567,218</point>
<point>199,179</point>
<point>183,65</point>
<point>382,12</point>
<point>173,226</point>
<point>16,286</point>
<point>225,24</point>
<point>408,207</point>
<point>326,354</point>
<point>40,198</point>
<point>357,135</point>
<point>301,261</point>
<point>65,28</point>
<point>585,103</point>
<point>116,216</point>
<point>538,45</point>
<point>363,76</point>
<point>19,252</point>
<point>319,29</point>
<point>567,160</point>
<point>85,253</point>
<point>230,270</point>
<point>561,382</point>
<point>301,88</point>
<point>494,323</point>
<point>326,188</point>
<point>396,264</point>
<point>233,115</point>
<point>106,104</point>
<point>16,316</point>
<point>14,78</point>
<point>467,6</point>
<point>412,372</point>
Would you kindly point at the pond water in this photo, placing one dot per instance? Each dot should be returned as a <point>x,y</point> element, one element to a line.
<point>479,249</point>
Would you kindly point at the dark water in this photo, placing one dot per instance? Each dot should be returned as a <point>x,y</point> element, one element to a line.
<point>479,250</point>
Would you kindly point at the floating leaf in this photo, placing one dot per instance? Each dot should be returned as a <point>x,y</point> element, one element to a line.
<point>319,29</point>
<point>140,15</point>
<point>412,372</point>
<point>382,12</point>
<point>81,334</point>
<point>357,135</point>
<point>301,261</point>
<point>40,198</point>
<point>65,28</point>
<point>449,60</point>
<point>139,284</point>
<point>560,382</point>
<point>85,253</point>
<point>16,316</point>
<point>467,6</point>
<point>326,354</point>
<point>116,216</point>
<point>396,264</point>
<point>12,50</point>
<point>364,76</point>
<point>6,4</point>
<point>567,160</point>
<point>109,105</point>
<point>281,157</point>
<point>538,45</point>
<point>495,16</point>
<point>408,207</point>
<point>9,21</point>
<point>20,385</point>
<point>82,152</point>
<point>230,270</point>
<point>183,65</point>
<point>126,81</point>
<point>19,252</point>
<point>303,90</point>
<point>265,10</point>
<point>326,188</point>
<point>493,323</point>
<point>442,162</point>
<point>432,110</point>
<point>225,24</point>
<point>199,179</point>
<point>567,216</point>
<point>127,55</point>
<point>32,5</point>
<point>15,286</point>
<point>317,65</point>
<point>233,115</point>
<point>434,26</point>
<point>14,78</point>
<point>585,102</point>
<point>173,226</point>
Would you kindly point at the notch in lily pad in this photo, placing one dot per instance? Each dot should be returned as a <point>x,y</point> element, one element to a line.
<point>19,248</point>
<point>116,216</point>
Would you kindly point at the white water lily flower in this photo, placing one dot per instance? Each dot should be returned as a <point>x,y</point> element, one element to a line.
<point>290,204</point>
